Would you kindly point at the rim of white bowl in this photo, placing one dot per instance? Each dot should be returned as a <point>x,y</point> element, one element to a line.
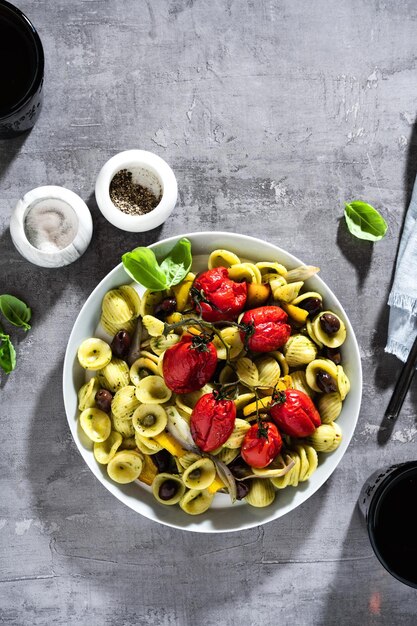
<point>131,159</point>
<point>255,517</point>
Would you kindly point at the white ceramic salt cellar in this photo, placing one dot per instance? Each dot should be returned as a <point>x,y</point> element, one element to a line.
<point>149,171</point>
<point>51,226</point>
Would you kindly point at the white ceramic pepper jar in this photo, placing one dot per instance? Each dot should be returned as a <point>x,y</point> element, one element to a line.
<point>51,226</point>
<point>149,171</point>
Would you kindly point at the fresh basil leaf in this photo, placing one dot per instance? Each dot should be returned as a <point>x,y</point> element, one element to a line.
<point>364,221</point>
<point>7,354</point>
<point>15,311</point>
<point>178,262</point>
<point>142,266</point>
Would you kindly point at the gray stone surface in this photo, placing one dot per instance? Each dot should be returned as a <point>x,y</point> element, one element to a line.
<point>272,114</point>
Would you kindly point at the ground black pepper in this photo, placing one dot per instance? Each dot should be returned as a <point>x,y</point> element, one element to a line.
<point>130,197</point>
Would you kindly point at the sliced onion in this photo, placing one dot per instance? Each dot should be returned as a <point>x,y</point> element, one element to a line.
<point>301,273</point>
<point>134,352</point>
<point>190,447</point>
<point>274,472</point>
<point>226,476</point>
<point>178,426</point>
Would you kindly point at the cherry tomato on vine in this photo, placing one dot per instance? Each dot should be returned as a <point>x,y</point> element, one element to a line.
<point>266,329</point>
<point>262,443</point>
<point>189,364</point>
<point>212,421</point>
<point>294,413</point>
<point>217,296</point>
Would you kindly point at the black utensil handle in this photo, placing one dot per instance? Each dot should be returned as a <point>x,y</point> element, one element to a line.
<point>402,384</point>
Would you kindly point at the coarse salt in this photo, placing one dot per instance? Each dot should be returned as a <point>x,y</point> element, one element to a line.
<point>51,225</point>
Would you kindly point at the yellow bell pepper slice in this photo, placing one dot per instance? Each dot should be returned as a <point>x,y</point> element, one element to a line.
<point>167,441</point>
<point>215,485</point>
<point>296,313</point>
<point>262,403</point>
<point>182,292</point>
<point>148,472</point>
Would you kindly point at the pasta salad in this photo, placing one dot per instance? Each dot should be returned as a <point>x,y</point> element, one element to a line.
<point>230,381</point>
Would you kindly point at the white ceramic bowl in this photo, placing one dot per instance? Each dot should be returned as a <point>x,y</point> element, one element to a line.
<point>148,170</point>
<point>48,198</point>
<point>222,516</point>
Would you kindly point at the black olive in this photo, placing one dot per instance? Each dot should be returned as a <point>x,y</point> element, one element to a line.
<point>162,461</point>
<point>103,400</point>
<point>120,345</point>
<point>168,489</point>
<point>329,323</point>
<point>239,468</point>
<point>325,382</point>
<point>164,308</point>
<point>242,490</point>
<point>333,354</point>
<point>312,305</point>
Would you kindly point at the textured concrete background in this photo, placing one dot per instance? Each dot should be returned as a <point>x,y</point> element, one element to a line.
<point>272,114</point>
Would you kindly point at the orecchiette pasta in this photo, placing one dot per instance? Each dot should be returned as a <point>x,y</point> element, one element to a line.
<point>329,406</point>
<point>105,450</point>
<point>299,350</point>
<point>87,394</point>
<point>261,492</point>
<point>195,501</point>
<point>124,403</point>
<point>114,375</point>
<point>123,426</point>
<point>153,390</point>
<point>200,474</point>
<point>125,466</point>
<point>96,424</point>
<point>94,354</point>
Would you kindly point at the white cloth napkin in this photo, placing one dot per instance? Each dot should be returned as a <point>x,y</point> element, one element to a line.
<point>402,326</point>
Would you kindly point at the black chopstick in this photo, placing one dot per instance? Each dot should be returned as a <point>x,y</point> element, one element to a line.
<point>402,384</point>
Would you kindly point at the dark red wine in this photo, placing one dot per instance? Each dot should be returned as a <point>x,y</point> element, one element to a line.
<point>392,524</point>
<point>21,71</point>
<point>18,64</point>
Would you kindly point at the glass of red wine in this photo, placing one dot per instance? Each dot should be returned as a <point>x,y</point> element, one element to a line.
<point>388,501</point>
<point>21,72</point>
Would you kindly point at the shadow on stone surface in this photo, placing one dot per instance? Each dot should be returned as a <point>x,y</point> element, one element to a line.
<point>109,243</point>
<point>357,251</point>
<point>411,165</point>
<point>362,590</point>
<point>10,257</point>
<point>9,149</point>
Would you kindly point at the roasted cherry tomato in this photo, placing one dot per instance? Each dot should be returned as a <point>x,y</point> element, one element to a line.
<point>266,329</point>
<point>294,413</point>
<point>262,443</point>
<point>217,296</point>
<point>212,421</point>
<point>189,364</point>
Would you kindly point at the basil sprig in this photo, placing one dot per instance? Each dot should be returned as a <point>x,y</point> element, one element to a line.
<point>7,353</point>
<point>143,267</point>
<point>364,221</point>
<point>15,311</point>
